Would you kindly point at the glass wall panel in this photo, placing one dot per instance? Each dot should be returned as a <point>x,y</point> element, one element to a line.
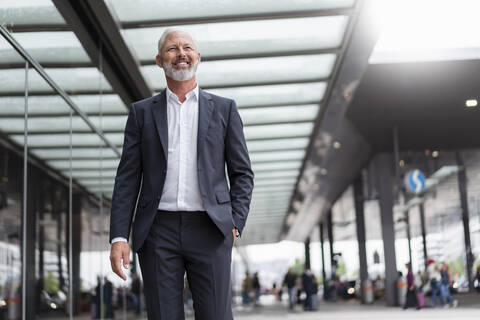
<point>278,131</point>
<point>11,216</point>
<point>54,105</point>
<point>248,37</point>
<point>273,95</point>
<point>276,174</point>
<point>277,156</point>
<point>252,71</point>
<point>277,144</point>
<point>284,165</point>
<point>149,10</point>
<point>11,198</point>
<point>30,12</point>
<point>72,80</point>
<point>60,124</point>
<point>62,140</point>
<point>251,116</point>
<point>60,47</point>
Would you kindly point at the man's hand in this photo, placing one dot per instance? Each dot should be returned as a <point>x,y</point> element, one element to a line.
<point>234,231</point>
<point>120,251</point>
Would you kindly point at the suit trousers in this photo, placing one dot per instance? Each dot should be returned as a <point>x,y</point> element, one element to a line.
<point>190,242</point>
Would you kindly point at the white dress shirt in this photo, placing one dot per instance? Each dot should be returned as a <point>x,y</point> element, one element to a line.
<point>181,191</point>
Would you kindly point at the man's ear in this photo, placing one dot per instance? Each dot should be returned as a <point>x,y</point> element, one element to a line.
<point>199,57</point>
<point>158,60</point>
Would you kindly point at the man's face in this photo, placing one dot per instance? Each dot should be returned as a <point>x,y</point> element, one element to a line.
<point>179,57</point>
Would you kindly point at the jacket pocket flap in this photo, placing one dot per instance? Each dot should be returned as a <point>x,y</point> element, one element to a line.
<point>223,196</point>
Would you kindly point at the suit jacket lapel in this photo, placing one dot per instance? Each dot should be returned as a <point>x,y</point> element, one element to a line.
<point>159,111</point>
<point>205,108</point>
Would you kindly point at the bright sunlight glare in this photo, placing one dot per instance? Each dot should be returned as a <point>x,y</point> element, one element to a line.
<point>426,30</point>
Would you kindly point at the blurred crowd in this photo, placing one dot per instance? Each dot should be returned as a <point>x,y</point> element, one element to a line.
<point>434,287</point>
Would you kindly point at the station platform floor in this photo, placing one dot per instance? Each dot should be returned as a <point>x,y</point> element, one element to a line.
<point>468,308</point>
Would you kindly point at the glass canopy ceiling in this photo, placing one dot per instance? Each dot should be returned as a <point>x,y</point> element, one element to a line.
<point>275,58</point>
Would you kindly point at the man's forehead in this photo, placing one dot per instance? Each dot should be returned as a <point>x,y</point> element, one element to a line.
<point>179,36</point>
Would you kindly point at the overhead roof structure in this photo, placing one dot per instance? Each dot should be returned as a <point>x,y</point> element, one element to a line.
<point>276,58</point>
<point>302,74</point>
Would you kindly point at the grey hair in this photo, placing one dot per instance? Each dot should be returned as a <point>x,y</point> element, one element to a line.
<point>169,31</point>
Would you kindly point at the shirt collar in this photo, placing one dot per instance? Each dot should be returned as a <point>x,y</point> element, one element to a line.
<point>191,94</point>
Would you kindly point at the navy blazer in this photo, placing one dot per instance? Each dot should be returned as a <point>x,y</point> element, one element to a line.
<point>145,154</point>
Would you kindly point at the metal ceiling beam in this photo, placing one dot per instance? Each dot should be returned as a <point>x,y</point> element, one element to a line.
<point>278,138</point>
<point>58,115</point>
<point>39,28</point>
<point>264,83</point>
<point>19,65</point>
<point>50,93</point>
<point>236,18</point>
<point>51,147</point>
<point>98,31</point>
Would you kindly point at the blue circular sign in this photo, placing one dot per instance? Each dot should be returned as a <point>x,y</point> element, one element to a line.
<point>415,181</point>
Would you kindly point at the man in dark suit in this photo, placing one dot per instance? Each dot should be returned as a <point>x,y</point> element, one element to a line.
<point>176,147</point>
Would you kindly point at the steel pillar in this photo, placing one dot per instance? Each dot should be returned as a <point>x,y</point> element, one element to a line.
<point>462,188</point>
<point>307,254</point>
<point>330,242</point>
<point>361,238</point>
<point>383,163</point>
<point>421,208</point>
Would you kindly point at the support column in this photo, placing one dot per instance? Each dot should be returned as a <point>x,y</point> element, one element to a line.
<point>462,187</point>
<point>361,238</point>
<point>409,237</point>
<point>59,207</point>
<point>41,243</point>
<point>29,259</point>
<point>421,208</point>
<point>322,242</point>
<point>76,249</point>
<point>383,163</point>
<point>307,254</point>
<point>333,268</point>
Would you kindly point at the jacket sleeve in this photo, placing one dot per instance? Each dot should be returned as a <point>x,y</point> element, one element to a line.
<point>127,181</point>
<point>239,169</point>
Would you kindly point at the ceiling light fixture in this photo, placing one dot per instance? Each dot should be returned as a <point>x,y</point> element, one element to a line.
<point>471,103</point>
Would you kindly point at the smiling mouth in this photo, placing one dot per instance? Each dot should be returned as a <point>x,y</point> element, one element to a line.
<point>182,63</point>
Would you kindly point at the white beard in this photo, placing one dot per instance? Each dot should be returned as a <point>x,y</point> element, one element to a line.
<point>181,74</point>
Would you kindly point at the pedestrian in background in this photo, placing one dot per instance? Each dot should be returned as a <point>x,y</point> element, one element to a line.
<point>434,279</point>
<point>247,287</point>
<point>257,289</point>
<point>411,298</point>
<point>446,281</point>
<point>289,281</point>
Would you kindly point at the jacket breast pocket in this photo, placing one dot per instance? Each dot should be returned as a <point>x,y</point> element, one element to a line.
<point>222,196</point>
